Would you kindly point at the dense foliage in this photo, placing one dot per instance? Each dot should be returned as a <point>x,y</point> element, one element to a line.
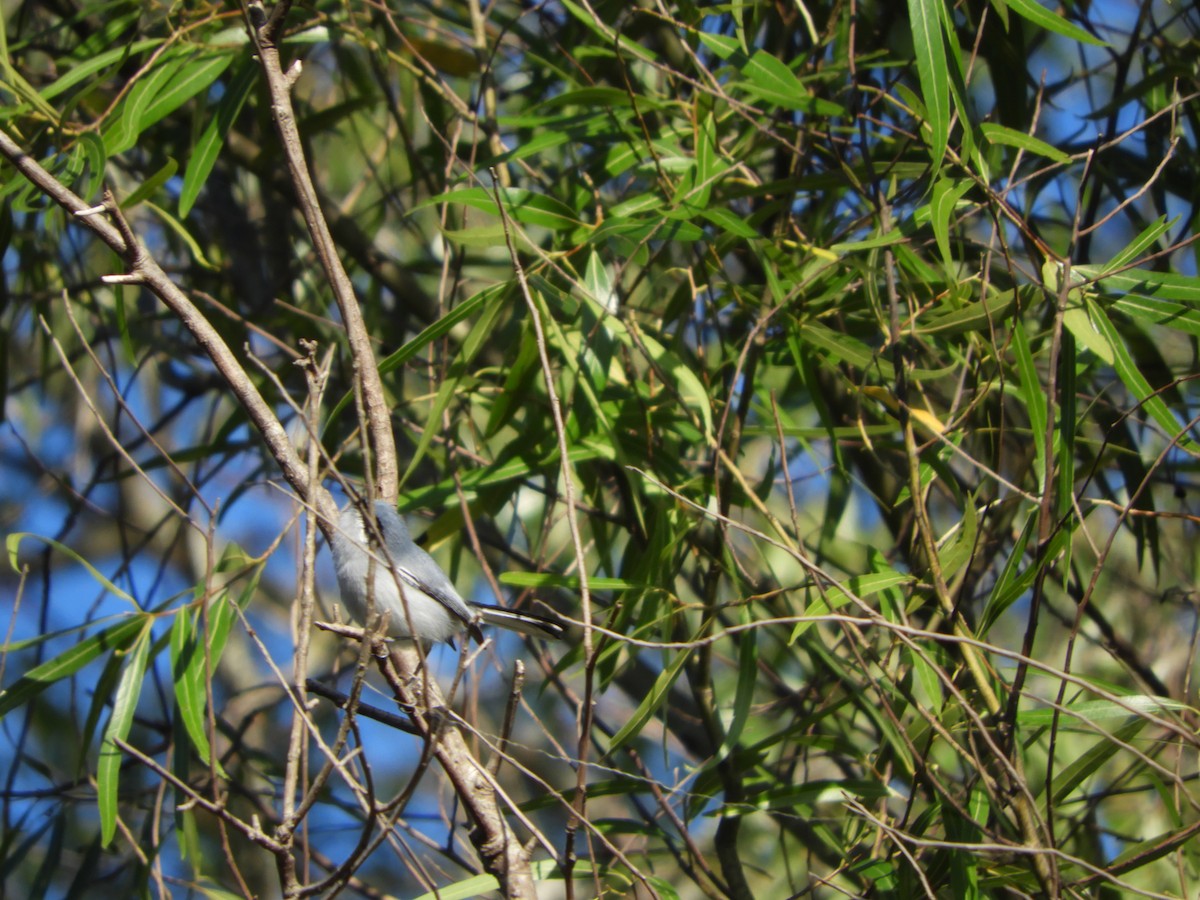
<point>831,367</point>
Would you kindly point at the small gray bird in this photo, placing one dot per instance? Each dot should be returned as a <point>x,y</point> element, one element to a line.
<point>435,611</point>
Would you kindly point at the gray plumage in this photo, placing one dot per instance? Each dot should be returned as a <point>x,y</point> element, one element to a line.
<point>432,609</point>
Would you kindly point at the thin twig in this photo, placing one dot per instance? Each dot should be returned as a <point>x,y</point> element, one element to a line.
<point>568,481</point>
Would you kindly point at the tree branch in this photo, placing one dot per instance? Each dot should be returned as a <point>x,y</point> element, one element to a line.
<point>142,269</point>
<point>263,31</point>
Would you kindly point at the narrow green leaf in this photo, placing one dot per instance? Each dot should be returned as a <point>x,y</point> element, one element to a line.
<point>770,79</point>
<point>1092,761</point>
<point>1040,15</point>
<point>999,134</point>
<point>208,147</point>
<point>1034,396</point>
<point>597,281</point>
<point>441,400</point>
<point>879,873</point>
<point>72,163</point>
<point>743,696</point>
<point>192,78</point>
<point>815,792</point>
<point>965,867</point>
<point>1142,282</point>
<point>609,35</point>
<point>450,385</point>
<point>1079,322</point>
<point>175,80</point>
<point>767,77</point>
<point>178,227</point>
<point>1136,382</point>
<point>108,769</point>
<point>593,98</point>
<point>187,834</point>
<point>1160,312</point>
<point>722,45</point>
<point>512,398</point>
<point>961,549</point>
<point>148,187</point>
<point>428,335</point>
<point>834,598</point>
<point>927,677</point>
<point>634,206</point>
<point>847,349</point>
<point>925,22</point>
<point>465,888</point>
<point>224,612</point>
<point>980,315</point>
<point>96,63</point>
<point>944,200</point>
<point>522,205</point>
<point>436,496</point>
<point>658,228</point>
<point>1097,711</point>
<point>1064,437</point>
<point>17,83</point>
<point>730,223</point>
<point>655,697</point>
<point>895,236</point>
<point>484,236</point>
<point>696,190</point>
<point>1015,581</point>
<point>93,151</point>
<point>13,543</point>
<point>465,310</point>
<point>583,365</point>
<point>1143,242</point>
<point>1001,7</point>
<point>690,388</point>
<point>709,164</point>
<point>536,146</point>
<point>568,582</point>
<point>102,690</point>
<point>187,671</point>
<point>121,132</point>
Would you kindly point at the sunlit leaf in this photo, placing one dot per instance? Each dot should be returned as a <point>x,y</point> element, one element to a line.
<point>108,770</point>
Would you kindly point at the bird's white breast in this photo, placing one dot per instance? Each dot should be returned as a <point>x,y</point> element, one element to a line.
<point>418,613</point>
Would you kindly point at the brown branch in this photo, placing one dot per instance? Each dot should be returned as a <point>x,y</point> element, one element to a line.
<point>501,850</point>
<point>142,269</point>
<point>264,31</point>
<point>250,831</point>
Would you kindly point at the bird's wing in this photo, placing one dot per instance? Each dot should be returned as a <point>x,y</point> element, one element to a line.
<point>441,590</point>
